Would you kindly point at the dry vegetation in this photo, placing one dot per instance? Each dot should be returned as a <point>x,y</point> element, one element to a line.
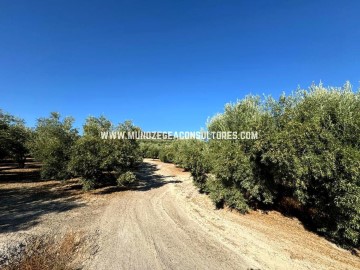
<point>44,254</point>
<point>44,224</point>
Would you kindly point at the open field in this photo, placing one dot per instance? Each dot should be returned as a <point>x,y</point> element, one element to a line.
<point>162,223</point>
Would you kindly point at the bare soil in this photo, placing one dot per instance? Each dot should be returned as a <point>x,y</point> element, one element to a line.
<point>163,223</point>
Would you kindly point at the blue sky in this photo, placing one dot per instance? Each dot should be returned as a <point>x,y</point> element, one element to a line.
<point>168,65</point>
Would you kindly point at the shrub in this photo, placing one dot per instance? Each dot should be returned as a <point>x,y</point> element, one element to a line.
<point>47,254</point>
<point>126,179</point>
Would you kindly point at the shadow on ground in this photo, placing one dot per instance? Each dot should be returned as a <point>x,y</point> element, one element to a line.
<point>10,173</point>
<point>24,197</point>
<point>22,207</point>
<point>147,179</point>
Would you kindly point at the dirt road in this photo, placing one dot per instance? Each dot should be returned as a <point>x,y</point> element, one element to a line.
<point>167,224</point>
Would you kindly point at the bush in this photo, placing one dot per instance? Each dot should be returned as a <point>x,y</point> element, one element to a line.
<point>89,183</point>
<point>216,191</point>
<point>126,179</point>
<point>158,149</point>
<point>46,254</point>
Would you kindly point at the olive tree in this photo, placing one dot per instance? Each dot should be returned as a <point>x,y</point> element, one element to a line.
<point>315,157</point>
<point>13,138</point>
<point>51,144</point>
<point>237,176</point>
<point>98,160</point>
<point>308,149</point>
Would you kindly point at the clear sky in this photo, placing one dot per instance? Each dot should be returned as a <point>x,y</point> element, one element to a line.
<point>168,65</point>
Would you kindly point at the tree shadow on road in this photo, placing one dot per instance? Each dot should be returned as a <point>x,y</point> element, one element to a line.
<point>25,198</point>
<point>147,179</point>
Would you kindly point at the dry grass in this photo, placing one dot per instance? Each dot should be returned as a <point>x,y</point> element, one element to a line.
<point>44,254</point>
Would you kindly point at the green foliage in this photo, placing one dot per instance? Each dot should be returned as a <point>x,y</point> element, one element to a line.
<point>51,144</point>
<point>126,179</point>
<point>308,149</point>
<point>88,183</point>
<point>192,155</point>
<point>314,156</point>
<point>230,196</point>
<point>88,158</point>
<point>216,191</point>
<point>167,154</point>
<point>150,149</point>
<point>236,162</point>
<point>96,160</point>
<point>153,151</point>
<point>307,152</point>
<point>157,149</point>
<point>13,138</point>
